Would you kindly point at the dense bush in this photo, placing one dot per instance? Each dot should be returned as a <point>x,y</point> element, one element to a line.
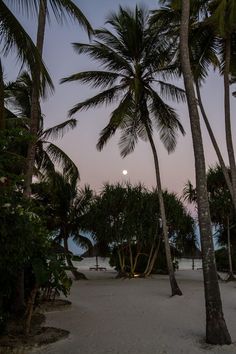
<point>222,260</point>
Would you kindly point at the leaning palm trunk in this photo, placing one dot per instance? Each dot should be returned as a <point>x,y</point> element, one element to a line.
<point>35,105</point>
<point>175,290</point>
<point>2,113</point>
<point>231,273</point>
<point>228,131</point>
<point>77,275</point>
<point>216,147</point>
<point>216,329</point>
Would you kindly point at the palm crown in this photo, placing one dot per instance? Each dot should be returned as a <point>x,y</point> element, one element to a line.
<point>131,58</point>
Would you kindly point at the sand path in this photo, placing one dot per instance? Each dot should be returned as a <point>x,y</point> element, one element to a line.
<point>137,316</point>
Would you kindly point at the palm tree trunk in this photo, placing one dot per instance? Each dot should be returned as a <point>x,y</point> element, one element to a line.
<point>216,329</point>
<point>228,132</point>
<point>2,109</point>
<point>35,104</point>
<point>215,145</point>
<point>77,275</point>
<point>175,290</point>
<point>231,273</point>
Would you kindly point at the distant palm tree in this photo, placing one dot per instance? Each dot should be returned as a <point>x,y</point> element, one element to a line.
<point>68,206</point>
<point>132,57</point>
<point>18,98</point>
<point>216,329</point>
<point>14,37</point>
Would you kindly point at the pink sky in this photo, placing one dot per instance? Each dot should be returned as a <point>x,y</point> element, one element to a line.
<point>80,144</point>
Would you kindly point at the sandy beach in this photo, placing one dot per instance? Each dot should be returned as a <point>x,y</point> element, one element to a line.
<point>138,316</point>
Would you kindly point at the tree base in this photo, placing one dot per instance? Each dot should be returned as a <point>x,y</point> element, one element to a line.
<point>79,276</point>
<point>217,332</point>
<point>176,291</point>
<point>230,277</point>
<point>174,287</point>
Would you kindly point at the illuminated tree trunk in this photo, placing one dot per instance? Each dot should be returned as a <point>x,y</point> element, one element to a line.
<point>175,290</point>
<point>216,329</point>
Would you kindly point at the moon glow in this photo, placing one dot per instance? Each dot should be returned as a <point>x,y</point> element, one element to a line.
<point>125,172</point>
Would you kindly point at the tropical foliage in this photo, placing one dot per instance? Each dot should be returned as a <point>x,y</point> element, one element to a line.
<point>128,219</point>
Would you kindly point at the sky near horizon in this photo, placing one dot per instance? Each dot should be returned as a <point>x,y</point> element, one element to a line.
<point>80,144</point>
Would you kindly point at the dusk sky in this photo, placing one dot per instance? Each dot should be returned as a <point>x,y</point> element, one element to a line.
<point>80,144</point>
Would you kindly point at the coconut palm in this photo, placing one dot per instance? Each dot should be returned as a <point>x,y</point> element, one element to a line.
<point>132,58</point>
<point>48,155</point>
<point>204,48</point>
<point>14,37</point>
<point>61,9</point>
<point>216,329</point>
<point>224,20</point>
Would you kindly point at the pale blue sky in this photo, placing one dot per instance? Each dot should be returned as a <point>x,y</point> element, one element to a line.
<point>97,167</point>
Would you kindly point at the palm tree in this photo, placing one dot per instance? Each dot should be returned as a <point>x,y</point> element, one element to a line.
<point>18,98</point>
<point>13,36</point>
<point>224,21</point>
<point>204,48</point>
<point>222,211</point>
<point>132,57</point>
<point>61,9</point>
<point>68,206</point>
<point>216,329</point>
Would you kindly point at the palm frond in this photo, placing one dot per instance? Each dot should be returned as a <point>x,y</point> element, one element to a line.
<point>116,120</point>
<point>166,120</point>
<point>60,158</point>
<point>14,37</point>
<point>59,130</point>
<point>170,91</point>
<point>82,241</point>
<point>128,138</point>
<point>106,97</point>
<point>67,8</point>
<point>43,160</point>
<point>106,56</point>
<point>28,7</point>
<point>96,79</point>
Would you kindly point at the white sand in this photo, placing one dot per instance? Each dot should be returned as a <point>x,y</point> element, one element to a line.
<point>137,316</point>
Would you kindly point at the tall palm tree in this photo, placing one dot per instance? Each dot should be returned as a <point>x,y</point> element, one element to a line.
<point>61,9</point>
<point>14,37</point>
<point>131,58</point>
<point>223,18</point>
<point>204,48</point>
<point>216,329</point>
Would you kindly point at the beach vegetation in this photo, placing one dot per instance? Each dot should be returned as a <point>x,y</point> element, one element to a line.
<point>128,218</point>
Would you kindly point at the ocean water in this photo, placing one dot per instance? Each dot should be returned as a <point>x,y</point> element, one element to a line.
<point>88,262</point>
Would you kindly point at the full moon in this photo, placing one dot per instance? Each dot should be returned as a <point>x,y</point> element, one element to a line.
<point>125,172</point>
